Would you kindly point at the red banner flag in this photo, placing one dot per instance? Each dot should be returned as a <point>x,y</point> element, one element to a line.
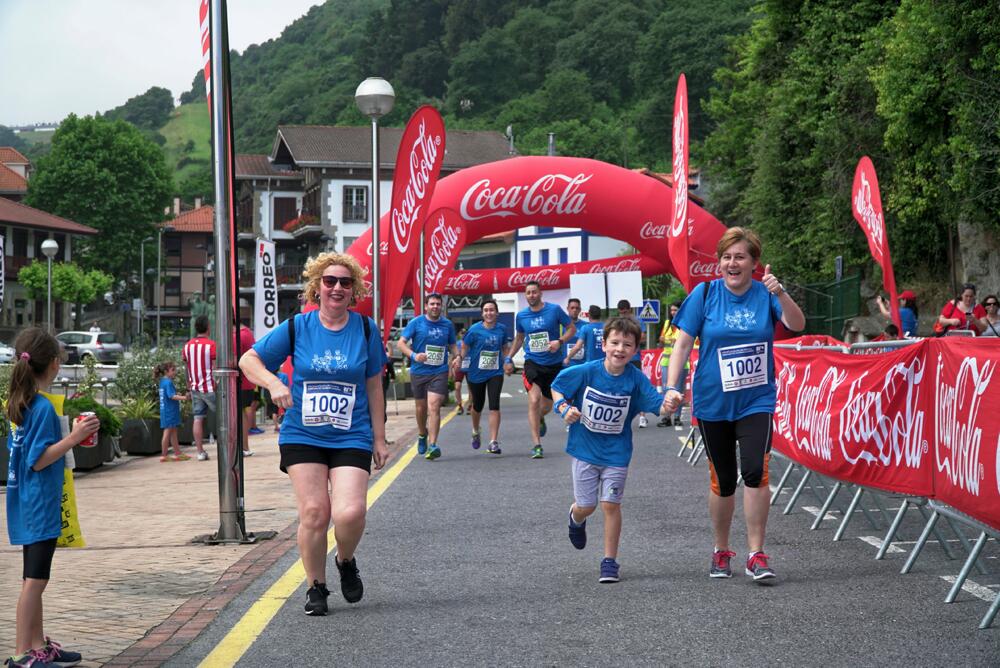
<point>418,164</point>
<point>206,49</point>
<point>677,243</point>
<point>444,237</point>
<point>866,203</point>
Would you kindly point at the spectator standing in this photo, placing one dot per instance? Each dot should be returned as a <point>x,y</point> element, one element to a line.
<point>199,360</point>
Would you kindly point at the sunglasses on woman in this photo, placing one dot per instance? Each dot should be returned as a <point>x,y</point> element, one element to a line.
<point>990,303</point>
<point>331,281</point>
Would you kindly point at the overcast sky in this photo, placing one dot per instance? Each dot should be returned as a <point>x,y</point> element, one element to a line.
<point>81,56</point>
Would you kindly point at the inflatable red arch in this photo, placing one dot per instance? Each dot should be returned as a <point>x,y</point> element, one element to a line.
<point>560,192</point>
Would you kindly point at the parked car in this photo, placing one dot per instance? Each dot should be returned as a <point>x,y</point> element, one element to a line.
<point>102,346</point>
<point>6,353</point>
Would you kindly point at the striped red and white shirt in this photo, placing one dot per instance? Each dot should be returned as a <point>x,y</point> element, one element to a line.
<point>199,356</point>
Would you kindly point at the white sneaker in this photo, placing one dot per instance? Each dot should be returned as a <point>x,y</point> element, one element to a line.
<point>202,456</point>
<point>248,453</point>
<point>643,422</point>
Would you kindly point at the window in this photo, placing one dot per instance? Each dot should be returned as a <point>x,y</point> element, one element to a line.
<point>172,286</point>
<point>20,242</point>
<point>106,338</point>
<point>355,204</point>
<point>563,256</point>
<point>171,245</point>
<point>525,258</point>
<point>348,241</point>
<point>543,230</point>
<point>284,211</point>
<point>544,260</point>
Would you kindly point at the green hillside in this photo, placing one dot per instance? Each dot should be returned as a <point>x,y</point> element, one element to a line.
<point>187,145</point>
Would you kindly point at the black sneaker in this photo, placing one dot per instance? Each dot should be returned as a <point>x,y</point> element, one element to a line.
<point>577,532</point>
<point>57,656</point>
<point>316,599</point>
<point>350,580</point>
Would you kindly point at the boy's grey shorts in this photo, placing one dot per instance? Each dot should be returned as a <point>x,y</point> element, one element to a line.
<point>590,483</point>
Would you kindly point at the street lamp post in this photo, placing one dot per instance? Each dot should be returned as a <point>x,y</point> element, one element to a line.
<point>375,98</point>
<point>159,285</point>
<point>142,285</point>
<point>50,247</point>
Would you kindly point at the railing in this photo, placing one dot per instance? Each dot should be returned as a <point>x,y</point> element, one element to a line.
<point>355,213</point>
<point>291,275</point>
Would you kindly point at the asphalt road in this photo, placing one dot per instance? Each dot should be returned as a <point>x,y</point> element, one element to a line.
<point>466,562</point>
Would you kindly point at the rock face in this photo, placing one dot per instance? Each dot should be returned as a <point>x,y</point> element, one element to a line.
<point>980,252</point>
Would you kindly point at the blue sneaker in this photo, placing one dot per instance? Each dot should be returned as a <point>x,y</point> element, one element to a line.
<point>255,430</point>
<point>493,448</point>
<point>57,656</point>
<point>33,658</point>
<point>433,452</point>
<point>609,570</point>
<point>542,429</point>
<point>422,444</point>
<point>476,442</point>
<point>577,532</point>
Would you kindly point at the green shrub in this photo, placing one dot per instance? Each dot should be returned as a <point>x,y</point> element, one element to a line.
<point>138,408</point>
<point>110,424</point>
<point>135,374</point>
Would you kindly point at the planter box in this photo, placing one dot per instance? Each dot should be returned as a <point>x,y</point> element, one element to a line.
<point>141,437</point>
<point>185,432</point>
<point>88,458</point>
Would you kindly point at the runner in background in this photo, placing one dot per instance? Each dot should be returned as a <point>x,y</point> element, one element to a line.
<point>248,391</point>
<point>590,337</point>
<point>427,340</point>
<point>573,309</point>
<point>458,374</point>
<point>485,344</point>
<point>625,311</point>
<point>598,400</point>
<point>540,324</point>
<point>668,335</point>
<point>734,389</point>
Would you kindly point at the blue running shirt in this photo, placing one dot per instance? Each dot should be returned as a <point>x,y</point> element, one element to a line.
<point>581,355</point>
<point>170,408</point>
<point>603,435</point>
<point>735,373</point>
<point>483,347</point>
<point>34,498</point>
<point>540,327</point>
<point>329,397</point>
<point>432,337</point>
<point>592,334</point>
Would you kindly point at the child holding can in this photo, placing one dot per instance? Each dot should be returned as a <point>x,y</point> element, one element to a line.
<point>170,410</point>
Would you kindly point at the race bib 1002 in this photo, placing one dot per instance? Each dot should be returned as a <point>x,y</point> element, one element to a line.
<point>604,413</point>
<point>538,342</point>
<point>435,355</point>
<point>743,366</point>
<point>489,360</point>
<point>328,403</point>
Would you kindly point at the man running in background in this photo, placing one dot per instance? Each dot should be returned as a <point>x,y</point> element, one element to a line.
<point>625,311</point>
<point>427,340</point>
<point>573,309</point>
<point>540,325</point>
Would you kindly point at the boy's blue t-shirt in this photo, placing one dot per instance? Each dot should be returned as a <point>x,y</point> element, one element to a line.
<point>483,347</point>
<point>592,334</point>
<point>329,396</point>
<point>735,373</point>
<point>432,337</point>
<point>170,408</point>
<point>908,320</point>
<point>607,403</point>
<point>34,498</point>
<point>581,355</point>
<point>540,327</point>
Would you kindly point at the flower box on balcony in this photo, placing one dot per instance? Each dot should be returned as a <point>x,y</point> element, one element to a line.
<point>299,222</point>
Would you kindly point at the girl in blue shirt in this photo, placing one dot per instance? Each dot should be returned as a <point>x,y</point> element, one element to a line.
<point>34,487</point>
<point>733,389</point>
<point>483,347</point>
<point>170,410</point>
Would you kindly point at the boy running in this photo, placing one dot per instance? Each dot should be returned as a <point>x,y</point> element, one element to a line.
<point>598,400</point>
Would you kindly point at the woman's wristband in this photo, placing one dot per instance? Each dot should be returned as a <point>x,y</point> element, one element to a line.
<point>508,360</point>
<point>558,405</point>
<point>675,389</point>
<point>413,357</point>
<point>563,413</point>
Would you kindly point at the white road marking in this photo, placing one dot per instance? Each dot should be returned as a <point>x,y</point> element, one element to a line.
<point>813,510</point>
<point>875,541</point>
<point>504,395</point>
<point>977,590</point>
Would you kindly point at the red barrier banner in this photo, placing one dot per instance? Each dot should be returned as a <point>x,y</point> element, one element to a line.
<point>856,418</point>
<point>651,365</point>
<point>866,203</point>
<point>677,243</point>
<point>444,237</point>
<point>964,425</point>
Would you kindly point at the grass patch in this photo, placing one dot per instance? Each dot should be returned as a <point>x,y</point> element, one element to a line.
<point>36,137</point>
<point>188,136</point>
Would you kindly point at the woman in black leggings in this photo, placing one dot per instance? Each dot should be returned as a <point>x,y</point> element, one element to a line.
<point>485,345</point>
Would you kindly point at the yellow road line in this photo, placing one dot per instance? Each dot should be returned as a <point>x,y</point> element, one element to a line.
<point>235,643</point>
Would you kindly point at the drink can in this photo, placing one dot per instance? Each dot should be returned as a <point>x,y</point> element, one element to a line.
<point>91,440</point>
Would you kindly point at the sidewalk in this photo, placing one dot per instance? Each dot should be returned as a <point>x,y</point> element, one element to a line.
<point>139,571</point>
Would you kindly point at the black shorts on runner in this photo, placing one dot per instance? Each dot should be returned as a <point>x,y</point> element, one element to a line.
<point>480,391</point>
<point>542,376</point>
<point>247,398</point>
<point>293,453</point>
<point>753,433</point>
<point>38,559</point>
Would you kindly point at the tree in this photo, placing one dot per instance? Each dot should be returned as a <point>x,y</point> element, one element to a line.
<point>106,175</point>
<point>70,284</point>
<point>149,111</point>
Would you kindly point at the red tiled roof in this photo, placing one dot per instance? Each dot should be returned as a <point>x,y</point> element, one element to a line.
<point>12,156</point>
<point>258,166</point>
<point>197,220</point>
<point>11,181</point>
<point>22,214</point>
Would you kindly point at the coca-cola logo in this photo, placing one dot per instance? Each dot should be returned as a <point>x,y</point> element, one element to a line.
<point>883,425</point>
<point>550,194</point>
<point>958,435</point>
<point>870,218</point>
<point>423,154</point>
<point>704,269</point>
<point>466,281</point>
<point>442,246</point>
<point>651,231</point>
<point>383,249</point>
<point>631,264</point>
<point>680,168</point>
<point>546,278</point>
<point>803,413</point>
